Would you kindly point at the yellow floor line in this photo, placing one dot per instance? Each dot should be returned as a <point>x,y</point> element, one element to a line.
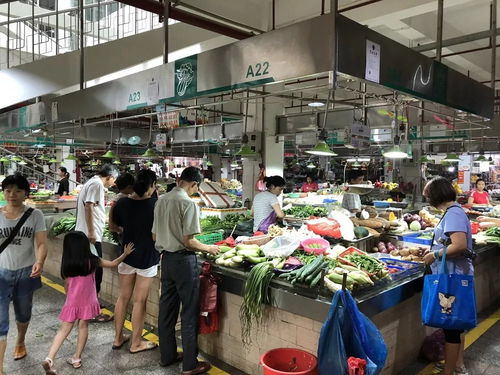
<point>128,325</point>
<point>471,336</point>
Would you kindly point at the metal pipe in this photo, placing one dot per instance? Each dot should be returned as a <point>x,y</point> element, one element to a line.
<point>468,51</point>
<point>439,35</point>
<point>57,27</point>
<point>493,42</point>
<point>166,16</point>
<point>274,14</point>
<point>189,18</point>
<point>458,40</point>
<point>360,5</point>
<point>32,31</point>
<point>8,35</point>
<point>82,45</point>
<point>218,17</point>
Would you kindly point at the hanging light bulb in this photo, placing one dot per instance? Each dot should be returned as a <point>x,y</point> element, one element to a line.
<point>22,162</point>
<point>452,158</point>
<point>311,165</point>
<point>109,155</point>
<point>395,153</point>
<point>53,160</point>
<point>117,162</point>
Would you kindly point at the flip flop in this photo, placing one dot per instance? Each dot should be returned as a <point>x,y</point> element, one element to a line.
<point>118,347</point>
<point>76,363</point>
<point>102,318</point>
<point>149,346</point>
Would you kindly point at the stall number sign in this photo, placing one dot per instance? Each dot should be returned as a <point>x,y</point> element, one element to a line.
<point>168,120</point>
<point>372,70</point>
<point>258,70</point>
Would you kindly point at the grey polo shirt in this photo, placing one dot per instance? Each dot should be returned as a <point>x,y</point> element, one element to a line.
<point>176,215</point>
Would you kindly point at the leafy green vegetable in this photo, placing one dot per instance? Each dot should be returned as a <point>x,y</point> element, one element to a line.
<point>304,212</point>
<point>63,225</point>
<point>365,262</point>
<point>493,232</point>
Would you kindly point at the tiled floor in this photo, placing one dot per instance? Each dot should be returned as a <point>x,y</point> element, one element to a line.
<point>481,358</point>
<point>97,359</point>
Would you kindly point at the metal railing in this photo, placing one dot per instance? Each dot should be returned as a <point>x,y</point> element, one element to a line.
<point>33,29</point>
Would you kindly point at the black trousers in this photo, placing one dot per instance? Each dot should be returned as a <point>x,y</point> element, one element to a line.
<point>98,271</point>
<point>180,284</point>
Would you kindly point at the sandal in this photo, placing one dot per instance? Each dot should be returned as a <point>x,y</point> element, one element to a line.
<point>149,346</point>
<point>102,318</point>
<point>19,352</point>
<point>118,347</point>
<point>48,366</point>
<point>76,363</point>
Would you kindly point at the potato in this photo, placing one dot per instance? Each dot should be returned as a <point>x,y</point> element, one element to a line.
<point>404,252</point>
<point>415,258</point>
<point>415,251</point>
<point>395,253</point>
<point>406,258</point>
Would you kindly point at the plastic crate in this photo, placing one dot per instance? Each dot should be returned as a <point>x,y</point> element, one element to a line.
<point>381,204</point>
<point>413,238</point>
<point>406,267</point>
<point>210,238</point>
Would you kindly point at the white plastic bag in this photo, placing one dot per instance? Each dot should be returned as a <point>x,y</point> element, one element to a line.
<point>281,246</point>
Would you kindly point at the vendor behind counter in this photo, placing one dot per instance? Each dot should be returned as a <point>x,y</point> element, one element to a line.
<point>479,195</point>
<point>351,201</point>
<point>266,208</point>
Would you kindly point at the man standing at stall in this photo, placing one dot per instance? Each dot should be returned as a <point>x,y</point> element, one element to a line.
<point>91,216</point>
<point>176,222</point>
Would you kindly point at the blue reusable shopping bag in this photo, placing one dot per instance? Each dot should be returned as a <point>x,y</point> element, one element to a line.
<point>449,300</point>
<point>345,333</point>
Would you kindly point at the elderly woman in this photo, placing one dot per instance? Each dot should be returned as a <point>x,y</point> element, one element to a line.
<point>23,241</point>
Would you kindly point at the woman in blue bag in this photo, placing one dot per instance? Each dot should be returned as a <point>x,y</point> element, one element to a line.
<point>452,245</point>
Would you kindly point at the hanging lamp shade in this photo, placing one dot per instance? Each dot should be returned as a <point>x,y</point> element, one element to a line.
<point>395,153</point>
<point>149,153</point>
<point>246,152</point>
<point>234,164</point>
<point>424,159</point>
<point>3,159</point>
<point>311,166</point>
<point>16,158</point>
<point>22,162</point>
<point>321,149</point>
<point>452,158</point>
<point>480,158</point>
<point>117,162</point>
<point>93,163</point>
<point>53,160</point>
<point>109,155</point>
<point>71,157</point>
<point>209,164</point>
<point>356,164</point>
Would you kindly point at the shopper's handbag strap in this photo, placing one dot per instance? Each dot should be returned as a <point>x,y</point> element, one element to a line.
<point>16,229</point>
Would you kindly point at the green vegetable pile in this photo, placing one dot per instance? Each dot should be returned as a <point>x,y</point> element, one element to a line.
<point>304,212</point>
<point>255,296</point>
<point>365,262</point>
<point>63,225</point>
<point>111,236</point>
<point>213,223</point>
<point>493,235</point>
<point>310,274</point>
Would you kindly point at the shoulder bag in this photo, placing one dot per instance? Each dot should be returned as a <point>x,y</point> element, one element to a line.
<point>16,229</point>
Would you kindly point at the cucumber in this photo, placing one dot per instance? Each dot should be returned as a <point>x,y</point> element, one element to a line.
<point>316,280</point>
<point>311,268</point>
<point>256,260</point>
<point>224,249</point>
<point>315,273</point>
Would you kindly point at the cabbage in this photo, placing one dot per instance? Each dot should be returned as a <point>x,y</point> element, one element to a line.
<point>415,226</point>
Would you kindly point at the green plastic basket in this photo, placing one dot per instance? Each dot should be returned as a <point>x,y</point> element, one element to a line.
<point>210,238</point>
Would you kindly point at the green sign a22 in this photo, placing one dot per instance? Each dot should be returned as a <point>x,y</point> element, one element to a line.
<point>257,70</point>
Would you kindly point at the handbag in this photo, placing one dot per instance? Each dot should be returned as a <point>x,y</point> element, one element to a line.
<point>449,300</point>
<point>16,229</point>
<point>209,316</point>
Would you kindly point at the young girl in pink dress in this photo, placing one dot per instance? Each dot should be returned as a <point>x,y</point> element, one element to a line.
<point>78,271</point>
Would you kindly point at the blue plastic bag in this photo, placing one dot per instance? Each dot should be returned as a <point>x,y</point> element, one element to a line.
<point>349,333</point>
<point>449,300</point>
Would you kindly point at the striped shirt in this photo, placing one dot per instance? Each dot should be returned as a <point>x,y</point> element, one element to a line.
<point>351,201</point>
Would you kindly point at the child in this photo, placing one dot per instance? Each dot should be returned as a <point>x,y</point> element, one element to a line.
<point>77,270</point>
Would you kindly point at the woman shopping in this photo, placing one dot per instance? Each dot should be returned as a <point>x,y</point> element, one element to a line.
<point>451,236</point>
<point>266,206</point>
<point>63,188</point>
<point>135,215</point>
<point>479,195</point>
<point>23,249</point>
<point>78,268</point>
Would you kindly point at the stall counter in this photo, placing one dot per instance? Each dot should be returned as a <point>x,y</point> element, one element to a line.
<point>296,317</point>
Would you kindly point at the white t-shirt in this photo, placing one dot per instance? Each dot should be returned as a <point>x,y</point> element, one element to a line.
<point>262,207</point>
<point>92,192</point>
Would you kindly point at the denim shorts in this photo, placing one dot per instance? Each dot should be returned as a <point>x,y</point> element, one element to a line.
<point>16,286</point>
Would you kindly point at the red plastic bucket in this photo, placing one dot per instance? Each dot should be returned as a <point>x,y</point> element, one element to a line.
<point>285,361</point>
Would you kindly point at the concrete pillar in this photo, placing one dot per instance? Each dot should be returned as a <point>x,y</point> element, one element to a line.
<point>217,166</point>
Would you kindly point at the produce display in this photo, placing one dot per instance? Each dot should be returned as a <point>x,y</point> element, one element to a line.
<point>230,184</point>
<point>304,212</point>
<point>214,223</point>
<point>63,225</point>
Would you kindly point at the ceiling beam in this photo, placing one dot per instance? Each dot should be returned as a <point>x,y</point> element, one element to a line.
<point>190,18</point>
<point>458,40</point>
